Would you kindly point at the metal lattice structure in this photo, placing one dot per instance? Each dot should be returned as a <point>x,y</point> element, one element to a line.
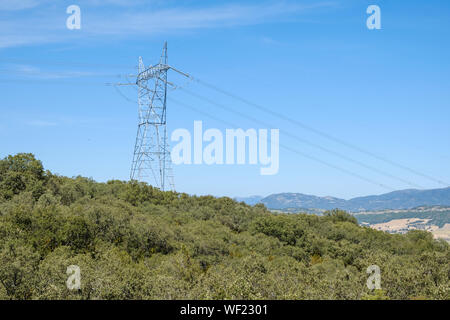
<point>151,159</point>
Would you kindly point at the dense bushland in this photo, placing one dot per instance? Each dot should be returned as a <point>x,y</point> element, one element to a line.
<point>133,241</point>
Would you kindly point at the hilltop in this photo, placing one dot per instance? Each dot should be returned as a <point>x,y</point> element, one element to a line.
<point>133,241</point>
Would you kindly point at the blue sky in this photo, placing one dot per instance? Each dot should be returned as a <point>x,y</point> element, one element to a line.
<point>385,91</point>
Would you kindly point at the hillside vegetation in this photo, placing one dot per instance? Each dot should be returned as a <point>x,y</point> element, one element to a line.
<point>132,241</point>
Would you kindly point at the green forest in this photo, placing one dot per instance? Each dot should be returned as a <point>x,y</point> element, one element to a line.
<point>133,241</point>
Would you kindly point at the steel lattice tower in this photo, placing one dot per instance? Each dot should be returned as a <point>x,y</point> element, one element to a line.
<point>151,159</point>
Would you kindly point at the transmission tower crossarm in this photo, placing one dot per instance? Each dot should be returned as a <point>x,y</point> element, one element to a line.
<point>181,72</point>
<point>168,82</point>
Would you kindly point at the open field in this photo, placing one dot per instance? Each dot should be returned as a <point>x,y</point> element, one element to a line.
<point>443,233</point>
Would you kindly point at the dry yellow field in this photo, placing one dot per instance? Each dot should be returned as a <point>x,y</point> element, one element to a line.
<point>405,225</point>
<point>443,233</point>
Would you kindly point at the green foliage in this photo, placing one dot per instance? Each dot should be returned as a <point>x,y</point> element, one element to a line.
<point>337,215</point>
<point>19,173</point>
<point>377,295</point>
<point>132,241</point>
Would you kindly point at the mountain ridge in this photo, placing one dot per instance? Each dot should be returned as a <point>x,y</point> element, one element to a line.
<point>401,199</point>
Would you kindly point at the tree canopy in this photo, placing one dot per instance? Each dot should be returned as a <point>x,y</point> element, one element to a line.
<point>133,241</point>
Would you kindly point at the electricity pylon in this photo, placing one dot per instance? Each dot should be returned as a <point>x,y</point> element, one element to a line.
<point>151,158</point>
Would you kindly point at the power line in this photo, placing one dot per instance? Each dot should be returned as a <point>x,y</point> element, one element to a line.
<point>303,141</point>
<point>319,132</point>
<point>124,96</point>
<point>291,149</point>
<point>243,100</point>
<point>337,154</point>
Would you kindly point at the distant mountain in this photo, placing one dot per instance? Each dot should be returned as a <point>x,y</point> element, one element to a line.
<point>252,200</point>
<point>299,200</point>
<point>404,199</point>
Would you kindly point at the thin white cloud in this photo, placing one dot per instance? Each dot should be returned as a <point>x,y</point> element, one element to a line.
<point>121,3</point>
<point>133,22</point>
<point>16,5</point>
<point>269,41</point>
<point>13,5</point>
<point>41,123</point>
<point>28,29</point>
<point>182,19</point>
<point>63,121</point>
<point>37,73</point>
